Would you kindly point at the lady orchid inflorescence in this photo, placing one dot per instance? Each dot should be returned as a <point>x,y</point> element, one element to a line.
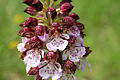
<point>52,41</point>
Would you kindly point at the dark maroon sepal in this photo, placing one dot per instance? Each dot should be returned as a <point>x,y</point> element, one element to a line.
<point>74,16</point>
<point>33,71</point>
<point>26,32</point>
<point>66,8</point>
<point>88,51</point>
<point>40,30</point>
<point>65,1</point>
<point>31,11</point>
<point>34,42</point>
<point>29,22</point>
<point>51,12</point>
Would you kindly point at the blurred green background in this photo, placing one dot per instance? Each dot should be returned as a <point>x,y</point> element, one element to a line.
<point>102,21</point>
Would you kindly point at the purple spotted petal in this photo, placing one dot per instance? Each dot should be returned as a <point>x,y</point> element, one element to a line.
<point>50,70</point>
<point>57,43</point>
<point>76,53</point>
<point>74,31</point>
<point>32,59</point>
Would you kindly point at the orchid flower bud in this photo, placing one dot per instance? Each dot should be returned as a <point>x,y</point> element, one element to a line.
<point>37,5</point>
<point>65,1</point>
<point>30,10</point>
<point>40,30</point>
<point>66,8</point>
<point>74,16</point>
<point>34,3</point>
<point>51,12</point>
<point>29,22</point>
<point>26,32</point>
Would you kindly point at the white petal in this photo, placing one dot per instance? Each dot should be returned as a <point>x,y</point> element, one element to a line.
<point>76,53</point>
<point>44,37</point>
<point>44,72</point>
<point>57,43</point>
<point>42,53</point>
<point>33,58</point>
<point>20,47</point>
<point>41,64</point>
<point>24,39</point>
<point>50,47</point>
<point>28,68</point>
<point>59,67</point>
<point>56,76</point>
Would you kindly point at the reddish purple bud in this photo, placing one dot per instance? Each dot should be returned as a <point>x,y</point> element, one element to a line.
<point>33,43</point>
<point>69,66</point>
<point>66,8</point>
<point>51,12</point>
<point>37,5</point>
<point>51,56</point>
<point>26,32</point>
<point>80,26</point>
<point>34,3</point>
<point>29,22</point>
<point>88,51</point>
<point>30,10</point>
<point>28,2</point>
<point>33,71</point>
<point>65,1</point>
<point>74,16</point>
<point>40,30</point>
<point>68,21</point>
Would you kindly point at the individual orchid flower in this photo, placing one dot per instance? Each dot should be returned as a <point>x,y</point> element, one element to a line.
<point>32,59</point>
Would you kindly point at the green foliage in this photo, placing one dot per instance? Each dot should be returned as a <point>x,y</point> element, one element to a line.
<point>101,18</point>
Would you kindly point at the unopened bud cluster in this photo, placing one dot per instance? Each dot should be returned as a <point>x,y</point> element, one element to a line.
<point>52,40</point>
